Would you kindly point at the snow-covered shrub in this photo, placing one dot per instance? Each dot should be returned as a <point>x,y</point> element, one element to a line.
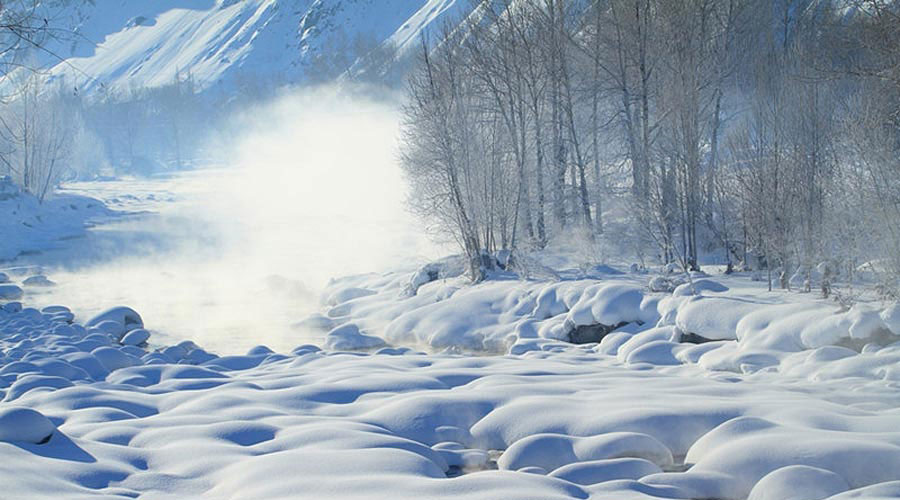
<point>660,284</point>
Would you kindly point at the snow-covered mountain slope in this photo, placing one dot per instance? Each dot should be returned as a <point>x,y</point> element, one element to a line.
<point>123,43</point>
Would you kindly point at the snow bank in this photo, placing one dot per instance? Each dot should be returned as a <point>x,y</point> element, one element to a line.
<point>28,225</point>
<point>743,328</point>
<point>85,416</point>
<point>25,425</point>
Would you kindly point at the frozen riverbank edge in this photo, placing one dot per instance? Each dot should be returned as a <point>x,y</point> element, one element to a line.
<point>92,411</point>
<point>30,225</point>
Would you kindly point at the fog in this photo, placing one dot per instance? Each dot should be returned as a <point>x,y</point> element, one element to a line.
<point>309,189</point>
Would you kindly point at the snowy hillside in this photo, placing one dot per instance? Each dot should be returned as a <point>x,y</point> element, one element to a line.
<point>123,43</point>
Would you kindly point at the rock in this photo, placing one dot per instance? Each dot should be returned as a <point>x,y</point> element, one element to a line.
<point>38,280</point>
<point>132,350</point>
<point>260,350</point>
<point>175,352</point>
<point>188,345</point>
<point>198,356</point>
<point>87,362</point>
<point>112,359</point>
<point>136,337</point>
<point>109,327</point>
<point>504,259</point>
<point>123,315</point>
<point>599,471</point>
<point>588,334</point>
<point>305,349</point>
<point>348,337</point>
<point>348,294</point>
<point>657,352</point>
<point>693,338</point>
<point>798,481</point>
<point>315,323</point>
<point>660,284</point>
<point>891,318</point>
<point>24,425</point>
<point>699,286</point>
<point>55,309</point>
<point>10,292</point>
<point>12,307</point>
<point>26,383</point>
<point>62,317</point>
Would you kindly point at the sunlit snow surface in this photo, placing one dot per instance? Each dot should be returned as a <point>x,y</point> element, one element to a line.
<point>565,424</point>
<point>115,43</point>
<point>639,416</point>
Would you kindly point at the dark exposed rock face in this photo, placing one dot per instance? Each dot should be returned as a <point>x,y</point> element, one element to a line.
<point>693,338</point>
<point>587,334</point>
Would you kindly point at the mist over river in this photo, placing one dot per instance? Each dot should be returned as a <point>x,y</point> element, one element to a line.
<point>231,256</point>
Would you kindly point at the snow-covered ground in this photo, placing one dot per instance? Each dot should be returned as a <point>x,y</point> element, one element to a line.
<point>771,410</point>
<point>417,384</point>
<point>88,412</point>
<point>27,225</point>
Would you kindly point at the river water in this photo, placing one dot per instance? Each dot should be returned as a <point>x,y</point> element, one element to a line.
<point>209,256</point>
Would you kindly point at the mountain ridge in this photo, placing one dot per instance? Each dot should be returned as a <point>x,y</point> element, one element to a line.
<point>120,44</point>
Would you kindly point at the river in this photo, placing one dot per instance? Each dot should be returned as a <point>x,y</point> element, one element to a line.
<point>209,256</point>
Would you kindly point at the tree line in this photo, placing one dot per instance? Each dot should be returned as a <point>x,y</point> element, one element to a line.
<point>762,135</point>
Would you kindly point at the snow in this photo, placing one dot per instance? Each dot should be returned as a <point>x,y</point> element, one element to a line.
<point>24,424</point>
<point>760,329</point>
<point>348,337</point>
<point>425,386</point>
<point>136,337</point>
<point>10,292</point>
<point>560,421</point>
<point>798,481</point>
<point>29,225</point>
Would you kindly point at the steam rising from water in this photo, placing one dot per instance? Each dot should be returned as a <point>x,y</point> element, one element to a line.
<point>311,190</point>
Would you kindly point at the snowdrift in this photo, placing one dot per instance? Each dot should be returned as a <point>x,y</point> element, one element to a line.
<point>739,326</point>
<point>27,225</point>
<point>84,414</point>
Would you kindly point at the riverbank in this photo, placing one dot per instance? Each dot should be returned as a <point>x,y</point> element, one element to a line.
<point>30,226</point>
<point>93,411</point>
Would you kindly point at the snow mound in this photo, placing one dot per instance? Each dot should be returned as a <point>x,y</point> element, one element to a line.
<point>136,337</point>
<point>798,481</point>
<point>25,425</point>
<point>559,421</point>
<point>552,451</point>
<point>123,315</point>
<point>10,292</point>
<point>348,337</point>
<point>698,287</point>
<point>742,328</point>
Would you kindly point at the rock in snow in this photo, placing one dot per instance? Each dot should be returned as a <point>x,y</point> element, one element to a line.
<point>123,315</point>
<point>10,292</point>
<point>757,415</point>
<point>136,337</point>
<point>348,337</point>
<point>38,280</point>
<point>24,424</point>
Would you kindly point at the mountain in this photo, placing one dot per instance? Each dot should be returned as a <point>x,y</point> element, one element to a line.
<point>127,43</point>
